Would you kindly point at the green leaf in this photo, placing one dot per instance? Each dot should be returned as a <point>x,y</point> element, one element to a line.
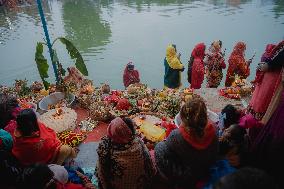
<point>41,61</point>
<point>42,65</point>
<point>46,84</point>
<point>75,54</point>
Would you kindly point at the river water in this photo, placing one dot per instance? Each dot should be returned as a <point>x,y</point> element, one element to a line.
<point>109,33</point>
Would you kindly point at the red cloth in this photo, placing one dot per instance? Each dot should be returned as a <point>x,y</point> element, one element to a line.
<point>264,92</point>
<point>130,77</point>
<point>199,143</point>
<point>248,121</point>
<point>69,186</point>
<point>259,74</point>
<point>169,127</point>
<point>42,147</point>
<point>119,132</point>
<point>123,104</point>
<point>198,69</point>
<point>11,127</point>
<point>237,64</point>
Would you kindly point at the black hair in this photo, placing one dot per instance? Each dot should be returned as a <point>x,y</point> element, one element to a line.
<point>237,138</point>
<point>246,178</point>
<point>175,47</point>
<point>130,124</point>
<point>220,43</point>
<point>232,115</point>
<point>27,122</point>
<point>38,176</point>
<point>7,104</point>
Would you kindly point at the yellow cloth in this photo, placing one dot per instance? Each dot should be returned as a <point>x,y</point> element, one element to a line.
<point>172,58</point>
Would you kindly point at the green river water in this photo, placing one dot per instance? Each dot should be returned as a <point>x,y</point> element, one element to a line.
<point>109,33</point>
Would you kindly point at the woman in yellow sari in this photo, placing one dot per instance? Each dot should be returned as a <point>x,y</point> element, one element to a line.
<point>173,68</point>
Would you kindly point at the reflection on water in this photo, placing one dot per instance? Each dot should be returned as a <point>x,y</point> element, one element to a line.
<point>109,33</point>
<point>278,8</point>
<point>84,25</point>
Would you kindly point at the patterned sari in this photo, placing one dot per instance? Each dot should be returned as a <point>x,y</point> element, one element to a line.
<point>124,161</point>
<point>215,63</point>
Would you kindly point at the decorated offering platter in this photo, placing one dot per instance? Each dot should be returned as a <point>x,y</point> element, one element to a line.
<point>240,88</point>
<point>59,119</point>
<point>151,128</point>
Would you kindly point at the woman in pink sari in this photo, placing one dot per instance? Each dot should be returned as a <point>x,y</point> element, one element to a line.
<point>196,68</point>
<point>268,79</point>
<point>267,148</point>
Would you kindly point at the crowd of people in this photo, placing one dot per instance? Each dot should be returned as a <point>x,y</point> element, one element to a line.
<point>209,64</point>
<point>201,63</point>
<point>244,150</point>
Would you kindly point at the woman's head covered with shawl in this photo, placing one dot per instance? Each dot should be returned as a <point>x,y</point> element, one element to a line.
<point>239,48</point>
<point>120,130</point>
<point>129,67</point>
<point>171,52</point>
<point>199,51</point>
<point>216,45</point>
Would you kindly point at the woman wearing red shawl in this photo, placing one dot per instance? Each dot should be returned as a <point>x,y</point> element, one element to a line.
<point>124,161</point>
<point>266,84</point>
<point>35,143</point>
<point>186,156</point>
<point>130,76</point>
<point>237,64</point>
<point>215,62</point>
<point>196,66</point>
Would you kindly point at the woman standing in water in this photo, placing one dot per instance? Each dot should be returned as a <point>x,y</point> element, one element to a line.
<point>173,68</point>
<point>196,68</point>
<point>215,62</point>
<point>237,64</point>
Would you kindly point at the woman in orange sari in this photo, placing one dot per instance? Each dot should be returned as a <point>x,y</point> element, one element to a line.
<point>196,68</point>
<point>237,64</point>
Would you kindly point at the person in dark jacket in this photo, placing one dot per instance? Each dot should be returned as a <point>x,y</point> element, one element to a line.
<point>186,156</point>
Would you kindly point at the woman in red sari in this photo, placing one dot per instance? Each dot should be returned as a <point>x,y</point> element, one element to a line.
<point>35,143</point>
<point>237,64</point>
<point>130,76</point>
<point>215,62</point>
<point>196,68</point>
<point>265,85</point>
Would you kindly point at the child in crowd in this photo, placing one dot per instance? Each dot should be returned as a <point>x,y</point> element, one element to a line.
<point>234,145</point>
